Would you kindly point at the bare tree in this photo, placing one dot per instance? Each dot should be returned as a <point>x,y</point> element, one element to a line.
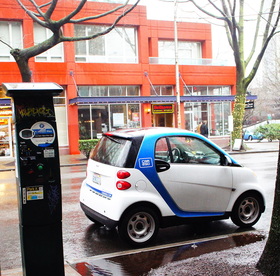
<point>269,263</point>
<point>232,14</point>
<point>44,16</point>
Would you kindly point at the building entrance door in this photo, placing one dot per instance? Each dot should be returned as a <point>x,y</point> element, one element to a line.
<point>5,137</point>
<point>163,120</point>
<point>189,121</point>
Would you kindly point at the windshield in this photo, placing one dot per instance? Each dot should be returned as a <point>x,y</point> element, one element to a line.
<point>111,150</point>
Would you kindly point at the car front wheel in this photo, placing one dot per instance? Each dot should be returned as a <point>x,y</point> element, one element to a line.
<point>139,226</point>
<point>247,210</point>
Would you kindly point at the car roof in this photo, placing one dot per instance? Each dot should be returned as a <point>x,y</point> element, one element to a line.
<point>130,133</point>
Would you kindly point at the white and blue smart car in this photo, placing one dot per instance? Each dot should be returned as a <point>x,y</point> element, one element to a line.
<point>139,180</point>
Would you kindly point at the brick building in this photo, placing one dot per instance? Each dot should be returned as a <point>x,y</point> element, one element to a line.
<point>123,79</point>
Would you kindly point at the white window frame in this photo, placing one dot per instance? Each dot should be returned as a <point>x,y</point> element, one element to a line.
<point>183,47</point>
<point>11,42</point>
<point>50,55</point>
<point>108,58</point>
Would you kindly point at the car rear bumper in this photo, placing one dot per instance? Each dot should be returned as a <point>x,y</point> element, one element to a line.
<point>98,217</point>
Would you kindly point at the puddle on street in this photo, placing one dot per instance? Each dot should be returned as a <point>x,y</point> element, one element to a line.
<point>136,264</point>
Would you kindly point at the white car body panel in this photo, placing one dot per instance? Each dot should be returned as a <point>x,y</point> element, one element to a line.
<point>112,202</point>
<point>194,191</point>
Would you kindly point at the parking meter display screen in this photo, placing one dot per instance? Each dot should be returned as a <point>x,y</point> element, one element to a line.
<point>26,134</point>
<point>43,134</point>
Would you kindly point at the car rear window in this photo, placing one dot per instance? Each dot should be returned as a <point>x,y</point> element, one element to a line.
<point>111,150</point>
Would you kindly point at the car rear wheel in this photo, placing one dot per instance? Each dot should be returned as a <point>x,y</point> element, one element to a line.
<point>139,226</point>
<point>247,210</point>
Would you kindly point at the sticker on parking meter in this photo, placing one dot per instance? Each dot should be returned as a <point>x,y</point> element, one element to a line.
<point>34,193</point>
<point>43,134</point>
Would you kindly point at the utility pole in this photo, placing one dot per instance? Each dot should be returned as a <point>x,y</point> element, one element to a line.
<point>177,73</point>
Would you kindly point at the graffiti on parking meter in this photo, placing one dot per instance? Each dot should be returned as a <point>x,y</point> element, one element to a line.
<point>41,111</point>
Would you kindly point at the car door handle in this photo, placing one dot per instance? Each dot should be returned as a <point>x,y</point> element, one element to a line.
<point>161,165</point>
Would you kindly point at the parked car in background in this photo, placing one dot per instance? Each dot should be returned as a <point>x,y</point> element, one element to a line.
<point>140,180</point>
<point>249,136</point>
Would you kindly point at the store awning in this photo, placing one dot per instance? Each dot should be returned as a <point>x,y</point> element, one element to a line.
<point>153,99</point>
<point>5,101</point>
<point>148,99</point>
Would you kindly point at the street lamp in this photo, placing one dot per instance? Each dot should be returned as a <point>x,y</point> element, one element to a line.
<point>177,73</point>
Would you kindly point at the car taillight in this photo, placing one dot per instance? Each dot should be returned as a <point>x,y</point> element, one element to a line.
<point>123,185</point>
<point>123,174</point>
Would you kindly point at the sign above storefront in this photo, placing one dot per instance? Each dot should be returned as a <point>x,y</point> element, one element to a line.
<point>249,104</point>
<point>162,108</point>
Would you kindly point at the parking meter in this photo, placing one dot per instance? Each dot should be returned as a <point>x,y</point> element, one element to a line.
<point>38,177</point>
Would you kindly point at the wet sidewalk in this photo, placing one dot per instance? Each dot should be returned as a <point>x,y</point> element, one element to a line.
<point>140,262</point>
<point>127,263</point>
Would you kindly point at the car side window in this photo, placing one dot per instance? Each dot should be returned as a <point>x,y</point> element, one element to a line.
<point>162,150</point>
<point>192,150</point>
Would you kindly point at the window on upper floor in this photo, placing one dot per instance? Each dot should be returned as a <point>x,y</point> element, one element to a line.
<point>108,91</point>
<point>10,34</point>
<point>55,54</point>
<point>109,1</point>
<point>159,90</point>
<point>118,46</point>
<point>186,49</point>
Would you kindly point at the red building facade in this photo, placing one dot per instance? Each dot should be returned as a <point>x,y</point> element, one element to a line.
<point>123,79</point>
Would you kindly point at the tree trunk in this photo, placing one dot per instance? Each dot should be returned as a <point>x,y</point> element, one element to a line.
<point>269,262</point>
<point>239,103</point>
<point>238,113</point>
<point>22,62</point>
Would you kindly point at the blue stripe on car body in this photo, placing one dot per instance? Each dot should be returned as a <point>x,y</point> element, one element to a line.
<point>146,154</point>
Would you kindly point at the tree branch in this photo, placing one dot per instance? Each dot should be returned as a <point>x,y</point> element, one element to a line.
<point>103,32</point>
<point>261,54</point>
<point>99,15</point>
<point>256,34</point>
<point>32,14</point>
<point>6,44</point>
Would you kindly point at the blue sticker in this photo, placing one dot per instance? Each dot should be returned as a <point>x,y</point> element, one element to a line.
<point>145,162</point>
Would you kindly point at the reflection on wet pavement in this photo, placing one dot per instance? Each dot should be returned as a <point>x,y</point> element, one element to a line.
<point>140,262</point>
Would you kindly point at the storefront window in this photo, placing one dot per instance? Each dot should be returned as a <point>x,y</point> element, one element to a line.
<point>215,114</point>
<point>84,122</point>
<point>96,119</point>
<point>133,115</point>
<point>5,136</point>
<point>118,116</point>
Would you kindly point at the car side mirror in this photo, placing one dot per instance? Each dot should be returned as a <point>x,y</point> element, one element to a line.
<point>161,165</point>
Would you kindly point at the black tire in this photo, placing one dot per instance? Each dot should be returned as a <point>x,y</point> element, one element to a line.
<point>247,210</point>
<point>139,226</point>
<point>250,138</point>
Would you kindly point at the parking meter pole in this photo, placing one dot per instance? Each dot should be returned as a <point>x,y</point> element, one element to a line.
<point>38,177</point>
